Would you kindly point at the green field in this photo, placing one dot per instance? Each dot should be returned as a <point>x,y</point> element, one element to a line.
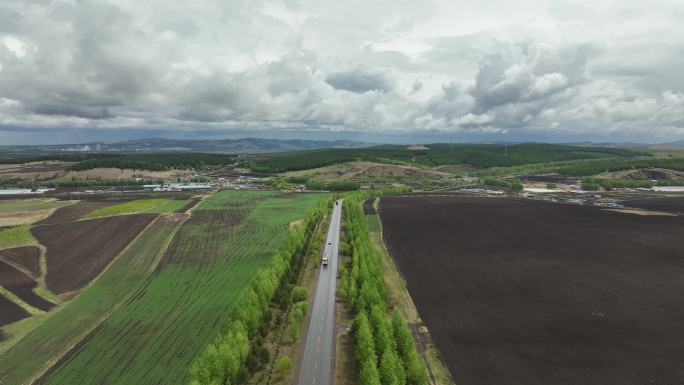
<point>168,207</point>
<point>16,236</point>
<point>154,336</point>
<point>127,208</point>
<point>31,205</point>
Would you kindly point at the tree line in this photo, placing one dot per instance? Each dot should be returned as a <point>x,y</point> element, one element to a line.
<point>594,184</point>
<point>585,167</point>
<point>237,351</point>
<point>384,349</point>
<point>156,162</point>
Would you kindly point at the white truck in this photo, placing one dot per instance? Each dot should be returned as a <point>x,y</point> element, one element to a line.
<point>325,258</point>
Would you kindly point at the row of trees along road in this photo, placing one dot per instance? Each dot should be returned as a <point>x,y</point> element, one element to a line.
<point>384,348</point>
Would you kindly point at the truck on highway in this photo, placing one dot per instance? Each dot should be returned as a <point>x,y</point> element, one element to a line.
<point>325,258</point>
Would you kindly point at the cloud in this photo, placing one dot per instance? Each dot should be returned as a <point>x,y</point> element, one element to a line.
<point>383,66</point>
<point>359,81</point>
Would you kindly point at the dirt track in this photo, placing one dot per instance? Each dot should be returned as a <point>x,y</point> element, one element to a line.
<point>22,286</point>
<point>79,251</point>
<point>368,206</point>
<point>532,293</point>
<point>27,257</point>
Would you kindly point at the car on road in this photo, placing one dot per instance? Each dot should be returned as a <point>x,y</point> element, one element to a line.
<point>325,259</point>
<point>329,243</point>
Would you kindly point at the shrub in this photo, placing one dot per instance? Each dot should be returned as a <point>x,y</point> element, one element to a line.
<point>300,294</point>
<point>283,365</point>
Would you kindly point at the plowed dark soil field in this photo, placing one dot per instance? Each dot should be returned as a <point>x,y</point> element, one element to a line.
<point>74,212</point>
<point>10,312</point>
<point>27,257</point>
<point>79,251</point>
<point>521,292</point>
<point>22,286</point>
<point>668,205</point>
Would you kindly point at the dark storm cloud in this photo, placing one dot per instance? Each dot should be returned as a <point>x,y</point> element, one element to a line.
<point>359,81</point>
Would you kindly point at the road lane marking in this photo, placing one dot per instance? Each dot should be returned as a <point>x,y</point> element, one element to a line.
<point>316,364</point>
<point>314,380</point>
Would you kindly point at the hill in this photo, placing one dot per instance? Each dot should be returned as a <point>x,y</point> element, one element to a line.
<point>438,154</point>
<point>229,146</point>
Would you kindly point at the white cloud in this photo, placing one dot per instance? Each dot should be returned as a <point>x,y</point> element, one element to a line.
<point>489,65</point>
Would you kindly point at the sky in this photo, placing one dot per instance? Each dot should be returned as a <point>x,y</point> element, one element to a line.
<point>376,70</point>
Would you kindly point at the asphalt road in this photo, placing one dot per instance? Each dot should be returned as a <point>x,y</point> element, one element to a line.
<point>317,359</point>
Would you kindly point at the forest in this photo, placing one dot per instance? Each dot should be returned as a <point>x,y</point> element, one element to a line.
<point>478,155</point>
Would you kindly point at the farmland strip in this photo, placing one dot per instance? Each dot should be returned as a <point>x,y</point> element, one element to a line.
<point>22,286</point>
<point>529,292</point>
<point>27,257</point>
<point>47,344</point>
<point>11,312</point>
<point>77,252</point>
<point>153,337</point>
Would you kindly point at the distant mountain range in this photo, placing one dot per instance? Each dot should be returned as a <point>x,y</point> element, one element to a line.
<point>249,145</point>
<point>230,146</point>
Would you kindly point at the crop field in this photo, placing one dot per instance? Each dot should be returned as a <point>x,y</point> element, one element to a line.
<point>22,286</point>
<point>78,251</point>
<point>191,203</point>
<point>74,212</point>
<point>528,292</point>
<point>171,206</point>
<point>15,236</point>
<point>153,337</point>
<point>127,208</point>
<point>23,212</point>
<point>27,257</point>
<point>30,205</point>
<point>11,312</point>
<point>31,356</point>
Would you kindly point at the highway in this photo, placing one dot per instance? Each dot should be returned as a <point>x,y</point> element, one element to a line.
<point>316,366</point>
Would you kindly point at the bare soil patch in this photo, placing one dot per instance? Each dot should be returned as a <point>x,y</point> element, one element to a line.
<point>27,257</point>
<point>22,286</point>
<point>78,251</point>
<point>11,312</point>
<point>535,293</point>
